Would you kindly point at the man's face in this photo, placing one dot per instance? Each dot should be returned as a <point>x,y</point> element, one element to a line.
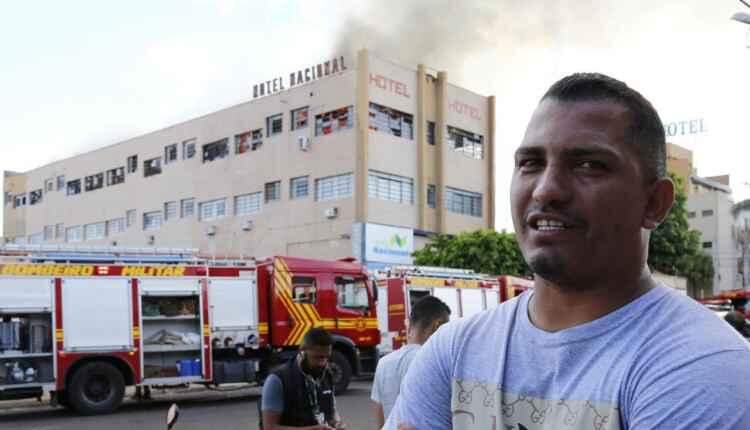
<point>317,357</point>
<point>578,193</point>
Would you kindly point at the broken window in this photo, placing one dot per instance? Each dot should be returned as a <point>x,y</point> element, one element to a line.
<point>215,150</point>
<point>74,187</point>
<point>152,167</point>
<point>242,142</point>
<point>188,149</point>
<point>333,121</point>
<point>170,153</point>
<point>115,176</point>
<point>60,182</point>
<point>299,118</point>
<point>35,197</point>
<point>256,139</point>
<point>391,121</point>
<point>466,142</point>
<point>94,182</point>
<point>274,124</point>
<point>132,163</point>
<point>273,191</point>
<point>49,185</point>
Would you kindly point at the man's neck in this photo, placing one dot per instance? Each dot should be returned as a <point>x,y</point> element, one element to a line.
<point>553,308</point>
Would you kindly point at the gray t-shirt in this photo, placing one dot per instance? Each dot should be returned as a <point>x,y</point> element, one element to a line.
<point>272,399</point>
<point>389,374</point>
<point>662,361</point>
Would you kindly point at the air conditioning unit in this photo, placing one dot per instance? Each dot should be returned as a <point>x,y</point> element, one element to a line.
<point>304,143</point>
<point>211,230</point>
<point>332,212</point>
<point>247,225</point>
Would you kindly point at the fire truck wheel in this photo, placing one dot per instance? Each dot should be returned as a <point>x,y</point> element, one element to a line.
<point>96,388</point>
<point>341,370</point>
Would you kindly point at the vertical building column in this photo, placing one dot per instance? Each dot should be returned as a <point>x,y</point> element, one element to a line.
<point>421,123</point>
<point>490,154</point>
<point>362,136</point>
<point>440,153</point>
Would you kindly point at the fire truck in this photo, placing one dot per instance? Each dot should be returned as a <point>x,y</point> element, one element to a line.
<point>464,291</point>
<point>722,302</point>
<point>83,326</point>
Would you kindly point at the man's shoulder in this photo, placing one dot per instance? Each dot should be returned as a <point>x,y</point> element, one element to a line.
<point>392,359</point>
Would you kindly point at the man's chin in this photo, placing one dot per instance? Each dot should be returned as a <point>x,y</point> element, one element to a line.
<point>549,266</point>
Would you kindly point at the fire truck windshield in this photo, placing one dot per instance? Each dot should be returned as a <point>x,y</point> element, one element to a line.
<point>352,293</point>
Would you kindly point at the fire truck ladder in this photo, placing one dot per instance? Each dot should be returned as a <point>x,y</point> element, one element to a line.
<point>435,272</point>
<point>98,254</point>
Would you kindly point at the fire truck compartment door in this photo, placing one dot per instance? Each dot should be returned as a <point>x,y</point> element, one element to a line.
<point>234,304</point>
<point>96,314</point>
<point>450,297</point>
<point>26,294</point>
<point>169,287</point>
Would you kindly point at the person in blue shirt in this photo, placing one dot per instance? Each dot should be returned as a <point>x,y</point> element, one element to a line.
<point>598,343</point>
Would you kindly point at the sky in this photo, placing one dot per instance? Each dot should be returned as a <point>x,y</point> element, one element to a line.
<point>79,75</point>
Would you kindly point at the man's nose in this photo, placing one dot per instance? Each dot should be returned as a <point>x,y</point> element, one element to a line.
<point>552,186</point>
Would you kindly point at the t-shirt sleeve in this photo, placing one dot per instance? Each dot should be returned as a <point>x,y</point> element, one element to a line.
<point>272,398</point>
<point>377,384</point>
<point>710,393</point>
<point>425,399</point>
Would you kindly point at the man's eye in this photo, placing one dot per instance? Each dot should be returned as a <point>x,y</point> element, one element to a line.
<point>529,163</point>
<point>592,165</point>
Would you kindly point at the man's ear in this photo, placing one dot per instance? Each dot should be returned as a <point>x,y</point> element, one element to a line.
<point>660,200</point>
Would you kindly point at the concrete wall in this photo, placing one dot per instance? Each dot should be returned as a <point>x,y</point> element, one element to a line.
<point>716,229</point>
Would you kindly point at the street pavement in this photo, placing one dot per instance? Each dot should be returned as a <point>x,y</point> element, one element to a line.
<point>200,409</point>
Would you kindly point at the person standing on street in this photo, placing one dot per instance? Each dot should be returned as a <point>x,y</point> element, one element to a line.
<point>299,394</point>
<point>598,343</point>
<point>426,316</point>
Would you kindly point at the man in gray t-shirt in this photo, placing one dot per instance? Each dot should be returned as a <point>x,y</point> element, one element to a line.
<point>426,316</point>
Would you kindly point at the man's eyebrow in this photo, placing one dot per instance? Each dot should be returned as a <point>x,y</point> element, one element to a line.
<point>529,151</point>
<point>587,151</point>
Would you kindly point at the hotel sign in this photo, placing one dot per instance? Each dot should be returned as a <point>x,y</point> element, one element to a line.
<point>682,128</point>
<point>299,77</point>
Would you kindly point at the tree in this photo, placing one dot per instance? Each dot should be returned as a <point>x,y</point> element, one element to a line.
<point>484,251</point>
<point>674,249</point>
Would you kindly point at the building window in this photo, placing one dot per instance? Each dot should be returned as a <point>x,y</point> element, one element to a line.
<point>19,200</point>
<point>333,187</point>
<point>95,231</point>
<point>49,232</point>
<point>431,196</point>
<point>115,226</point>
<point>49,185</point>
<point>94,182</point>
<point>394,188</point>
<point>60,182</point>
<point>132,163</point>
<point>170,211</point>
<point>152,167</point>
<point>707,245</point>
<point>188,149</point>
<point>130,217</point>
<point>74,187</point>
<point>691,214</point>
<point>707,212</point>
<point>74,234</point>
<point>467,143</point>
<point>35,197</point>
<point>298,187</point>
<point>246,204</point>
<point>170,153</point>
<point>333,121</point>
<point>463,202</point>
<point>273,191</point>
<point>152,220</point>
<point>212,209</point>
<point>274,124</point>
<point>300,118</point>
<point>187,208</point>
<point>248,141</point>
<point>391,121</point>
<point>35,239</point>
<point>215,150</point>
<point>59,231</point>
<point>115,176</point>
<point>431,132</point>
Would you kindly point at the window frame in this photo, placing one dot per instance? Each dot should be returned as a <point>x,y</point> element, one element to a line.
<point>152,167</point>
<point>270,124</point>
<point>294,113</point>
<point>253,204</point>
<point>113,178</point>
<point>294,188</point>
<point>76,187</point>
<point>131,163</point>
<point>170,153</point>
<point>389,187</point>
<point>272,194</point>
<point>94,182</point>
<point>152,216</point>
<point>61,184</point>
<point>185,203</point>
<point>222,152</point>
<point>336,185</point>
<point>470,146</point>
<point>170,210</point>
<point>331,122</point>
<point>212,202</point>
<point>383,118</point>
<point>301,286</point>
<point>188,148</point>
<point>451,195</point>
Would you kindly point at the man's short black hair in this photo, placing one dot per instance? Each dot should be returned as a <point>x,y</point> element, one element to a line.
<point>426,310</point>
<point>646,130</point>
<point>317,337</point>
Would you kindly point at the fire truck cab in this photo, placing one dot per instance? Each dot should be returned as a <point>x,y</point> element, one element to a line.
<point>84,325</point>
<point>464,291</point>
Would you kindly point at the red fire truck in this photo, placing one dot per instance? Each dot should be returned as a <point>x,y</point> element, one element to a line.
<point>84,326</point>
<point>464,291</point>
<point>722,302</point>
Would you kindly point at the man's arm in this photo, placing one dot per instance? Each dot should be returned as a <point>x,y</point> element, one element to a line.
<point>272,406</point>
<point>379,417</point>
<point>376,395</point>
<point>709,393</point>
